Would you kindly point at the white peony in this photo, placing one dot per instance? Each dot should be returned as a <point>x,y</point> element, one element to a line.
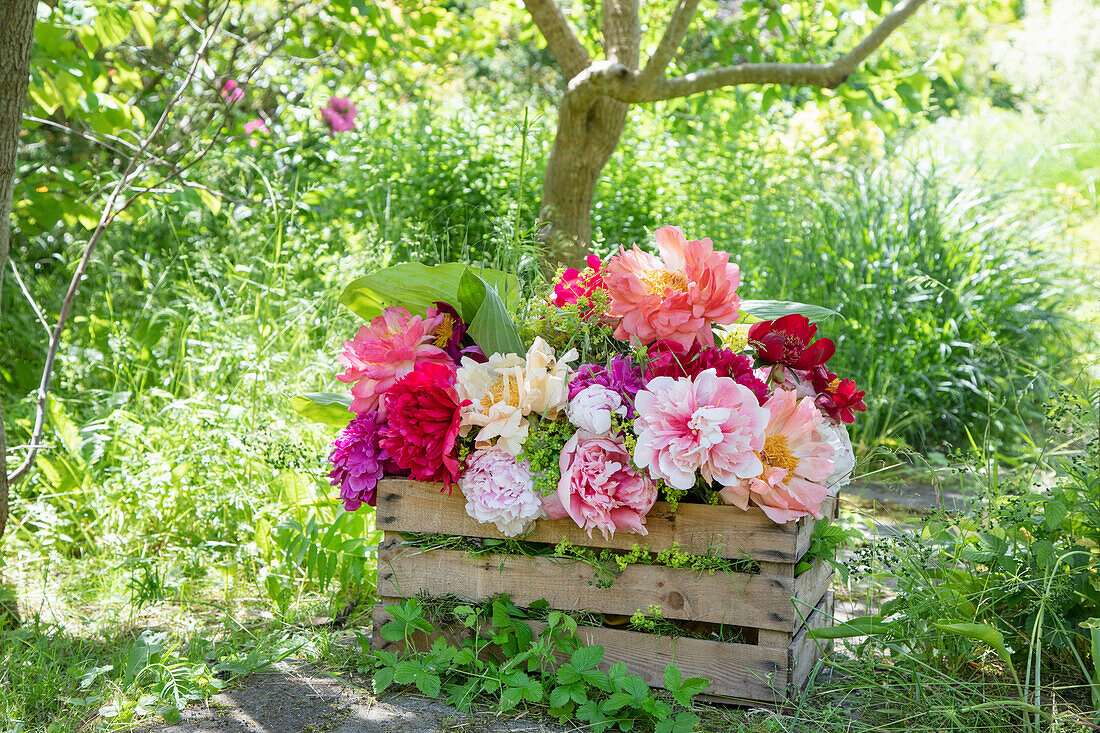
<point>593,408</point>
<point>501,490</point>
<point>836,435</point>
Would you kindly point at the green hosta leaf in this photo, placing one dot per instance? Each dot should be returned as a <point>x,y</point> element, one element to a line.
<point>491,327</point>
<point>862,626</point>
<point>415,287</point>
<point>980,632</point>
<point>769,310</point>
<point>324,407</point>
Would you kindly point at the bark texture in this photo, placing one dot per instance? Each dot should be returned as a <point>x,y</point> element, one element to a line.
<point>16,42</point>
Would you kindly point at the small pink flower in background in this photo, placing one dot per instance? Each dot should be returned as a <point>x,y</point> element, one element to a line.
<point>500,489</point>
<point>797,462</point>
<point>253,126</point>
<point>599,489</point>
<point>676,297</point>
<point>708,424</point>
<point>231,91</point>
<point>339,115</point>
<point>385,350</point>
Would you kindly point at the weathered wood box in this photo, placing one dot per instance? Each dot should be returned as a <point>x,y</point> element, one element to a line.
<point>771,609</point>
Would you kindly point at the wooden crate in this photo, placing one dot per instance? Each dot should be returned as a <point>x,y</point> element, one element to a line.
<point>773,608</point>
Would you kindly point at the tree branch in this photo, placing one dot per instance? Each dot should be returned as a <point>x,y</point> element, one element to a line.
<point>625,85</point>
<point>622,34</point>
<point>560,37</point>
<point>673,36</point>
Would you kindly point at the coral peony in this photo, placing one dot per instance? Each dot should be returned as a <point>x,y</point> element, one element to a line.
<point>709,424</point>
<point>422,423</point>
<point>594,408</point>
<point>669,359</point>
<point>339,115</point>
<point>836,397</point>
<point>575,284</point>
<point>494,394</point>
<point>677,297</point>
<point>786,341</point>
<point>385,350</point>
<point>357,459</point>
<point>620,375</point>
<point>599,489</point>
<point>500,489</point>
<point>797,460</point>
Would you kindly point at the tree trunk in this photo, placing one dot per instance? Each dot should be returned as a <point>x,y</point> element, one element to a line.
<point>584,142</point>
<point>16,42</point>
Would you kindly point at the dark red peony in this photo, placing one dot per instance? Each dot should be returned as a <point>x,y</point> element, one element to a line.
<point>787,340</point>
<point>836,397</point>
<point>668,359</point>
<point>422,424</point>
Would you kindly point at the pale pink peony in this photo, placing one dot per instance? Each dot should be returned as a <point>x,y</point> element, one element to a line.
<point>708,424</point>
<point>599,489</point>
<point>797,460</point>
<point>385,350</point>
<point>593,409</point>
<point>500,489</point>
<point>676,297</point>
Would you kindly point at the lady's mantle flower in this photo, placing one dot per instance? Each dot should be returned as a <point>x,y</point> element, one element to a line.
<point>708,424</point>
<point>786,341</point>
<point>500,489</point>
<point>797,462</point>
<point>357,459</point>
<point>385,350</point>
<point>676,297</point>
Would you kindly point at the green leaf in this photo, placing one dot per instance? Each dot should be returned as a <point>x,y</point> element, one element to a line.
<point>415,287</point>
<point>673,678</point>
<point>980,632</point>
<point>559,697</point>
<point>491,327</point>
<point>393,631</point>
<point>862,626</point>
<point>428,684</point>
<point>324,407</point>
<point>587,657</point>
<point>145,23</point>
<point>383,678</point>
<point>768,310</point>
<point>875,6</point>
<point>1054,512</point>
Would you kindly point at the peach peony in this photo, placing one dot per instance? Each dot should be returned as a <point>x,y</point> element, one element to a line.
<point>599,489</point>
<point>497,394</point>
<point>797,458</point>
<point>708,424</point>
<point>677,297</point>
<point>546,378</point>
<point>385,350</point>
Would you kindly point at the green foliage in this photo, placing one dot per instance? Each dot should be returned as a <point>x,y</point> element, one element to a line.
<point>500,660</point>
<point>542,451</point>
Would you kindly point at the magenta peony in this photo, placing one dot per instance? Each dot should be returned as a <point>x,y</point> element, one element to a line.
<point>357,460</point>
<point>421,430</point>
<point>677,297</point>
<point>621,375</point>
<point>797,462</point>
<point>599,489</point>
<point>385,350</point>
<point>500,489</point>
<point>708,424</point>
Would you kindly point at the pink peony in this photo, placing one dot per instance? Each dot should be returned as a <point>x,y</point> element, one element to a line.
<point>500,489</point>
<point>421,430</point>
<point>357,462</point>
<point>797,462</point>
<point>709,424</point>
<point>599,489</point>
<point>385,350</point>
<point>676,297</point>
<point>575,284</point>
<point>339,115</point>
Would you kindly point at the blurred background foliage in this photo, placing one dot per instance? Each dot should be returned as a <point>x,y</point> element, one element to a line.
<point>944,201</point>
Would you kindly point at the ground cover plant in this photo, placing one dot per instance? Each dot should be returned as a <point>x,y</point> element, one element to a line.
<point>178,490</point>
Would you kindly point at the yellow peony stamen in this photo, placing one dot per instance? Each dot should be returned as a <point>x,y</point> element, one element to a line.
<point>445,331</point>
<point>777,454</point>
<point>831,387</point>
<point>659,280</point>
<point>501,391</point>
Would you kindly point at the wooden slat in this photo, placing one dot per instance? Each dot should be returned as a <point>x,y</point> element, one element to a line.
<point>760,601</point>
<point>413,506</point>
<point>735,671</point>
<point>810,588</point>
<point>804,652</point>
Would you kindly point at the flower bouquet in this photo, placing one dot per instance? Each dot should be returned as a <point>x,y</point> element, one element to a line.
<point>635,378</point>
